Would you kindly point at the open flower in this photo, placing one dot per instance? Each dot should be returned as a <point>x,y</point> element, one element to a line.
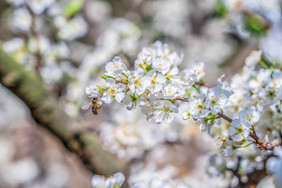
<point>198,66</point>
<point>170,90</point>
<point>197,106</point>
<point>114,91</point>
<point>155,81</point>
<point>143,61</point>
<point>250,116</point>
<point>115,67</point>
<point>164,111</point>
<point>225,87</point>
<point>156,182</point>
<point>186,77</point>
<point>172,73</point>
<point>215,100</point>
<point>92,91</point>
<point>238,130</point>
<point>162,65</point>
<point>137,81</point>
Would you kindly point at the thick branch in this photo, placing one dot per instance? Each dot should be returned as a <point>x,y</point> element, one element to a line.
<point>45,110</point>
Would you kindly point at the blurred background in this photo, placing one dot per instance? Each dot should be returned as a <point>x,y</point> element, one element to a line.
<point>64,46</point>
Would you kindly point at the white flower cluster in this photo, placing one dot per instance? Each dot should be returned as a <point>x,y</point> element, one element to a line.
<point>114,181</point>
<point>129,137</point>
<point>43,48</point>
<point>260,19</point>
<point>158,183</point>
<point>262,89</point>
<point>117,180</point>
<point>240,128</point>
<point>156,84</point>
<point>206,105</point>
<point>68,29</point>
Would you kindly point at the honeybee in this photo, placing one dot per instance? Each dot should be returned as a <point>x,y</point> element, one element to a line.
<point>95,105</point>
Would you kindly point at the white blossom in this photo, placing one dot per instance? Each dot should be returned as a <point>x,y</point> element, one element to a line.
<point>22,19</point>
<point>170,90</point>
<point>198,66</point>
<point>186,77</point>
<point>162,65</point>
<point>115,67</point>
<point>71,29</point>
<point>155,81</point>
<point>156,182</point>
<point>137,81</point>
<point>92,91</point>
<point>215,100</point>
<point>39,6</point>
<point>143,61</point>
<point>225,87</point>
<point>115,91</point>
<point>250,116</point>
<point>164,111</point>
<point>113,181</point>
<point>238,130</point>
<point>197,106</point>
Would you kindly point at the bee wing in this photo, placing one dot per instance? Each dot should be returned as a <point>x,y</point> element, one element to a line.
<point>85,107</point>
<point>99,103</point>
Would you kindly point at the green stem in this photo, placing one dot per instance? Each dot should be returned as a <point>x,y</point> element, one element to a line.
<point>194,86</point>
<point>242,146</point>
<point>145,71</point>
<point>124,74</point>
<point>264,65</point>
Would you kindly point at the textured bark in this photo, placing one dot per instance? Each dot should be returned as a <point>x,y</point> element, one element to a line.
<point>46,112</point>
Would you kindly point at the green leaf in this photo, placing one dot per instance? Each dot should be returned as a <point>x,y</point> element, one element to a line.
<point>148,68</point>
<point>263,64</point>
<point>210,119</point>
<point>106,77</point>
<point>220,8</point>
<point>124,74</point>
<point>197,89</point>
<point>256,24</point>
<point>133,97</point>
<point>73,7</point>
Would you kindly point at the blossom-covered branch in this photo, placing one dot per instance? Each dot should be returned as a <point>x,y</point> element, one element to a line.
<point>263,145</point>
<point>159,86</point>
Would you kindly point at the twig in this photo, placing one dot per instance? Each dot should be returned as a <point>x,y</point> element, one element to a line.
<point>225,117</point>
<point>36,35</point>
<point>262,145</point>
<point>181,99</point>
<point>203,84</point>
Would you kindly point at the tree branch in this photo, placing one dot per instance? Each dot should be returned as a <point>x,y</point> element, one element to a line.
<point>46,112</point>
